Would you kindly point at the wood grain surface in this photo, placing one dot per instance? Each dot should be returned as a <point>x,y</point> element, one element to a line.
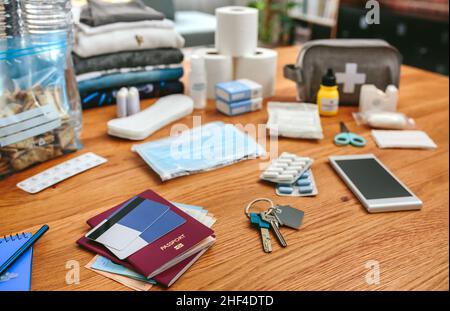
<point>331,250</point>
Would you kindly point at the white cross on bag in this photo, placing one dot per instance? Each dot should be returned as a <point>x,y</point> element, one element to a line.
<point>350,78</point>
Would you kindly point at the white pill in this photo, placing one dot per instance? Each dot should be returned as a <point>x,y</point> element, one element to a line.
<point>296,167</point>
<point>275,169</point>
<point>286,177</point>
<point>298,163</point>
<point>270,174</point>
<point>290,172</point>
<point>282,160</point>
<point>283,165</point>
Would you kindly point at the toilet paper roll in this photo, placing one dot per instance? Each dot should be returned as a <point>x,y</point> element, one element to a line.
<point>237,30</point>
<point>260,67</point>
<point>219,68</point>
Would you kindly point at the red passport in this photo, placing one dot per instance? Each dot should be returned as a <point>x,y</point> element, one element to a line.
<point>169,256</point>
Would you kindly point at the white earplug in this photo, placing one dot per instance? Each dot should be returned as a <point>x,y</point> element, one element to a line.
<point>134,101</point>
<point>121,102</point>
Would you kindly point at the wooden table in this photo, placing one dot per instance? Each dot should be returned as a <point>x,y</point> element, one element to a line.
<point>331,250</point>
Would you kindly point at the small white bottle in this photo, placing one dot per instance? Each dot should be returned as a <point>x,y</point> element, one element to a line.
<point>197,82</point>
<point>121,102</point>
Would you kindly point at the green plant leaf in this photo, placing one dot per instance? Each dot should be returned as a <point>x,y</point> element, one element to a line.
<point>259,5</point>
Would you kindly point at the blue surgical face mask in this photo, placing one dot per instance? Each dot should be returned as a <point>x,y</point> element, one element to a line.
<point>201,149</point>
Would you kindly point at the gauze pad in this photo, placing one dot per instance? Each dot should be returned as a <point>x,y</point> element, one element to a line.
<point>403,139</point>
<point>294,120</point>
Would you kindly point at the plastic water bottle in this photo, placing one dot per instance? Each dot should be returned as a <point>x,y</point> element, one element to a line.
<point>40,17</point>
<point>9,19</point>
<point>29,18</point>
<point>45,16</point>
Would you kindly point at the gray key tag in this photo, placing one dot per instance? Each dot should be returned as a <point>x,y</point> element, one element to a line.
<point>289,216</point>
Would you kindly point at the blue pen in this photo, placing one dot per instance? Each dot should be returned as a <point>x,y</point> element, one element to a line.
<point>23,248</point>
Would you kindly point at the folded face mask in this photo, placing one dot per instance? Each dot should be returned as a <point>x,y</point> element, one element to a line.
<point>201,149</point>
<point>294,120</point>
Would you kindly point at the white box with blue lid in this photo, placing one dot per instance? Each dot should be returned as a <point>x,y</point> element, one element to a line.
<point>238,90</point>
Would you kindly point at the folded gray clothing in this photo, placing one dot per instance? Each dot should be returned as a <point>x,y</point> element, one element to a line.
<point>142,58</point>
<point>98,13</point>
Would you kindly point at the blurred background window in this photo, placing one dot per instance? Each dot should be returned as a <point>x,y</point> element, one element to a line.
<point>418,28</point>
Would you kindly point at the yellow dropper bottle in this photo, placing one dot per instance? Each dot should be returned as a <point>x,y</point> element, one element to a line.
<point>328,95</point>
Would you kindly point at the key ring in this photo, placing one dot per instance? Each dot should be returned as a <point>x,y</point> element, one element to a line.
<point>247,209</point>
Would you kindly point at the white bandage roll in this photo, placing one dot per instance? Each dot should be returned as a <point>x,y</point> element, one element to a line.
<point>260,67</point>
<point>237,30</point>
<point>219,68</point>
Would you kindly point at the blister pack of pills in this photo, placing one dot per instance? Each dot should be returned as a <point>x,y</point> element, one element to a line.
<point>305,186</point>
<point>61,172</point>
<point>287,169</point>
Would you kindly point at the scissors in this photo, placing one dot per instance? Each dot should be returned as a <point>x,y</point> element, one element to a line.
<point>345,137</point>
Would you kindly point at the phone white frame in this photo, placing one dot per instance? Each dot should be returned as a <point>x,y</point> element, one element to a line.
<point>377,205</point>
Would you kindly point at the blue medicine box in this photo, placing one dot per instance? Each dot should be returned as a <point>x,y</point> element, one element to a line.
<point>238,90</point>
<point>239,107</point>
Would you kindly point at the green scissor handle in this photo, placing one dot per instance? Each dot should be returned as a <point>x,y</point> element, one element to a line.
<point>346,138</point>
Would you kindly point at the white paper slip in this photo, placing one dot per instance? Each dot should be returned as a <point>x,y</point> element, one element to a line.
<point>61,172</point>
<point>28,124</point>
<point>403,139</point>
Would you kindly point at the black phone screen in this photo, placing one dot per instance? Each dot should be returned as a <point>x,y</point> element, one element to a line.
<point>371,179</point>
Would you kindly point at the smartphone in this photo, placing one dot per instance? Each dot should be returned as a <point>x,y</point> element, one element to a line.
<point>373,184</point>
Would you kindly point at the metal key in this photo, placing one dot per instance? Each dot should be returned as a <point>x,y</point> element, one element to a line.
<point>263,227</point>
<point>288,216</point>
<point>273,221</point>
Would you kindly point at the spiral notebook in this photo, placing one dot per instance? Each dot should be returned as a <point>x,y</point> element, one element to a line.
<point>18,276</point>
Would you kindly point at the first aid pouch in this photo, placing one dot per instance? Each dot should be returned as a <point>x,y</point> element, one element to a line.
<point>355,61</point>
<point>37,119</point>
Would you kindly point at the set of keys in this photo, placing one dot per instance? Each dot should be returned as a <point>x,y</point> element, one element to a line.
<point>272,219</point>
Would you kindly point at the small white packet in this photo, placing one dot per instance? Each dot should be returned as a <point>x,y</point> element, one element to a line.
<point>294,120</point>
<point>403,139</point>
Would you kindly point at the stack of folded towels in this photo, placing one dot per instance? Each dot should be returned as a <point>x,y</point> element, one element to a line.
<point>124,45</point>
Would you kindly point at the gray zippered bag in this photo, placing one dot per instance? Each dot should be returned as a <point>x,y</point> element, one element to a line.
<point>354,61</point>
